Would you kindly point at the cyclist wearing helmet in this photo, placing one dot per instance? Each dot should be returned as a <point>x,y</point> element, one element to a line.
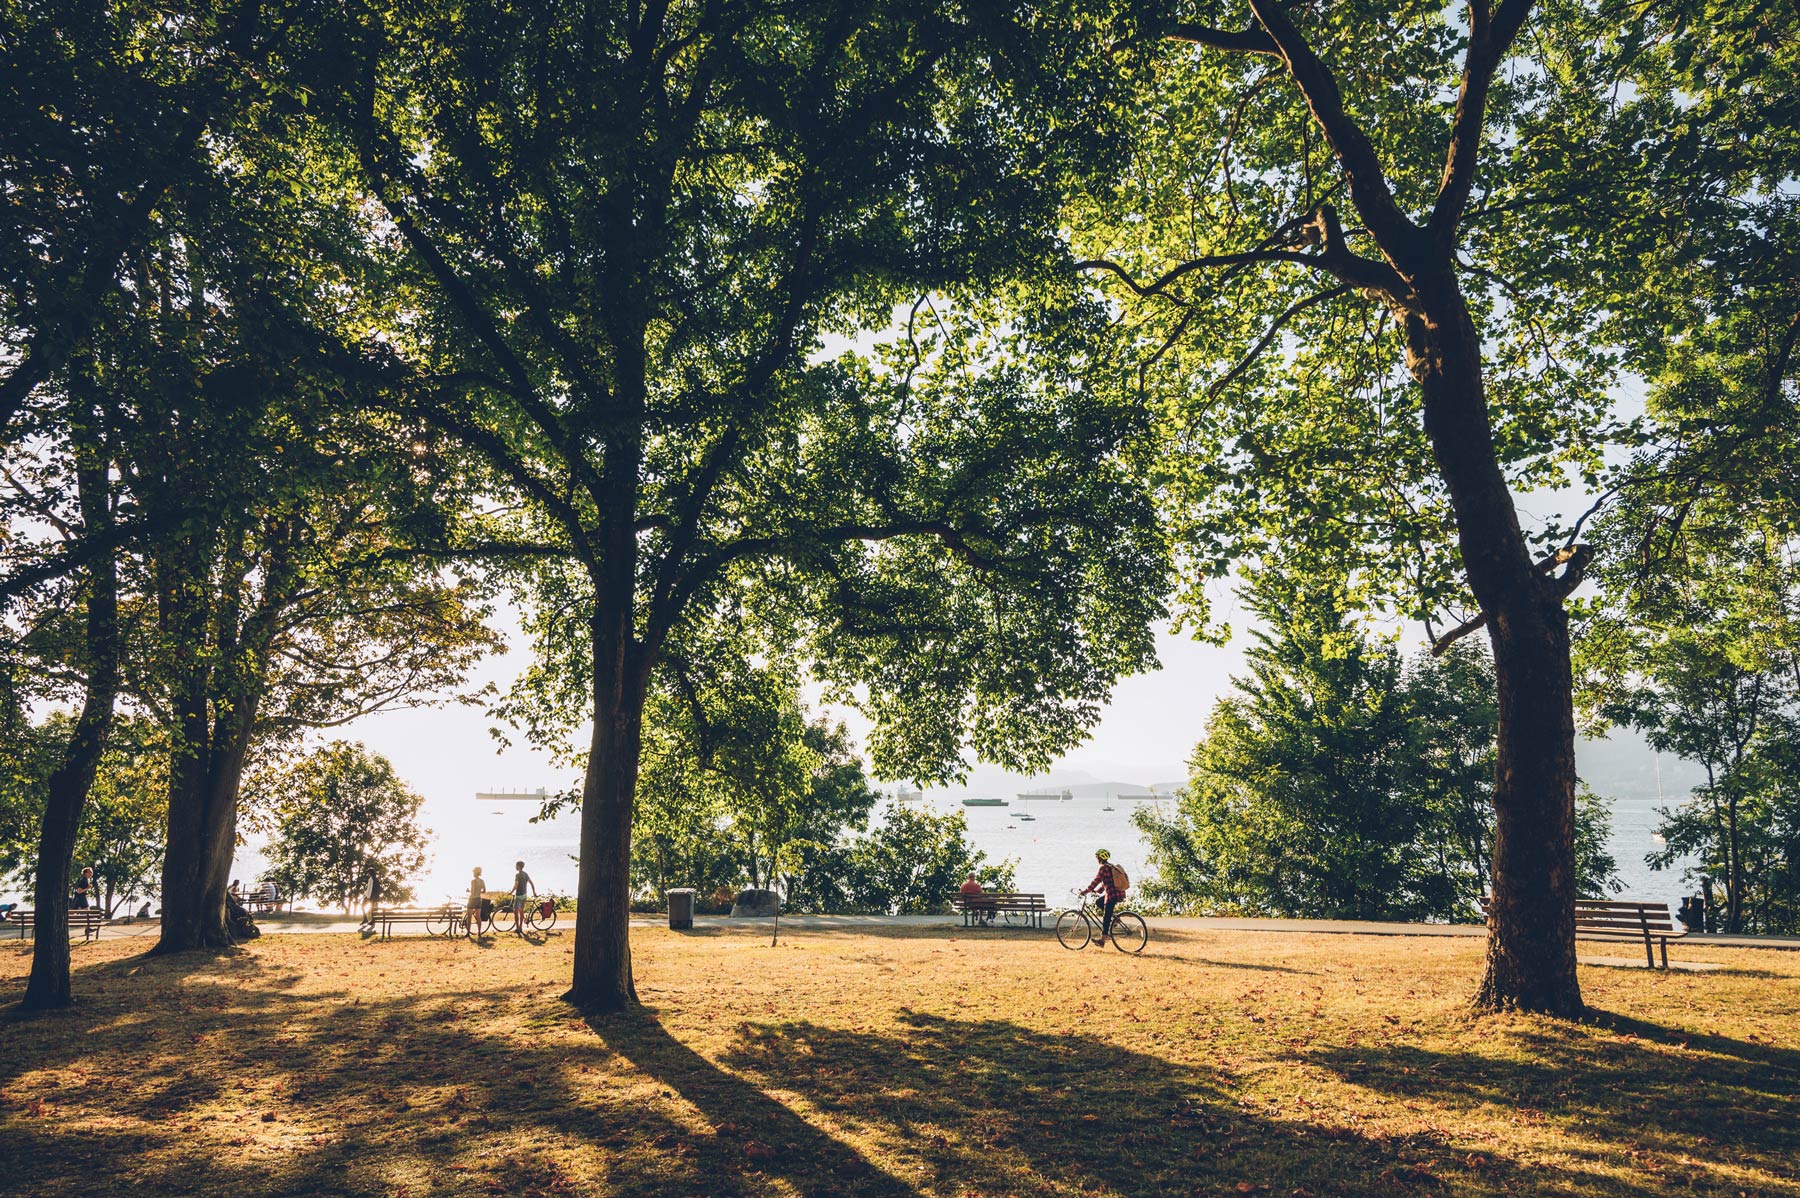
<point>1107,882</point>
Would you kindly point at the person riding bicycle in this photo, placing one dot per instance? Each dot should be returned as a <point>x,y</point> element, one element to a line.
<point>1109,881</point>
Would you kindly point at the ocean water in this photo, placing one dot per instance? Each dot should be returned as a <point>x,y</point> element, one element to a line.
<point>1053,851</point>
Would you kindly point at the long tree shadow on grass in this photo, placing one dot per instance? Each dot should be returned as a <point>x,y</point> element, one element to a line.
<point>1623,1086</point>
<point>992,1107</point>
<point>250,1084</point>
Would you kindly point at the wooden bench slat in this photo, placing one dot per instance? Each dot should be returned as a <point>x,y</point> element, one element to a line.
<point>88,919</point>
<point>1624,919</point>
<point>1000,901</point>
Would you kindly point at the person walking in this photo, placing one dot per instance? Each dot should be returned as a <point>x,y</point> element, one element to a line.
<point>521,883</point>
<point>371,899</point>
<point>87,889</point>
<point>1110,881</point>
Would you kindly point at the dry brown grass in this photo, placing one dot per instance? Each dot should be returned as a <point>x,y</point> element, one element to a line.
<point>893,1063</point>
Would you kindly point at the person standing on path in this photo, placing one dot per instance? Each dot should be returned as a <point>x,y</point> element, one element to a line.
<point>371,899</point>
<point>472,914</point>
<point>1110,882</point>
<point>521,883</point>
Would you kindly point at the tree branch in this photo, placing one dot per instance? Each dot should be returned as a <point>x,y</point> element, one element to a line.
<point>1393,231</point>
<point>1488,44</point>
<point>1256,351</point>
<point>1574,556</point>
<point>1175,274</point>
<point>1248,41</point>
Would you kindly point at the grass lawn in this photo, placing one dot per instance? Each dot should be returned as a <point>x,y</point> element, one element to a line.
<point>892,1063</point>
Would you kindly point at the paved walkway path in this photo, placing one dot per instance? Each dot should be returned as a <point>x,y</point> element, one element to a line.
<point>308,922</point>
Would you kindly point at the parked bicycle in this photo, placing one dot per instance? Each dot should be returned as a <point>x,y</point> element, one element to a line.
<point>1077,926</point>
<point>539,914</point>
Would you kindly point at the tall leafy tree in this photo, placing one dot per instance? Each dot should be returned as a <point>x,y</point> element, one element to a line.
<point>1695,636</point>
<point>338,816</point>
<point>108,106</point>
<point>1696,642</point>
<point>635,230</point>
<point>293,542</point>
<point>1313,253</point>
<point>1340,780</point>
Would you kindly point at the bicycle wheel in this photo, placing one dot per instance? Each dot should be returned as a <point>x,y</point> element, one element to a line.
<point>478,926</point>
<point>441,924</point>
<point>542,920</point>
<point>1073,929</point>
<point>1129,932</point>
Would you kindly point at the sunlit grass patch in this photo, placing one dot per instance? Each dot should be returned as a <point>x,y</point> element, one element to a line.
<point>916,1061</point>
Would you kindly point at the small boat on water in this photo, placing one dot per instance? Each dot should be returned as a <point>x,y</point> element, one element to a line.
<point>1109,807</point>
<point>1023,816</point>
<point>985,803</point>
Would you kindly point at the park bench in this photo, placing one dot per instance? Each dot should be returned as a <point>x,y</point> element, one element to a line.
<point>1608,919</point>
<point>981,908</point>
<point>263,901</point>
<point>88,919</point>
<point>433,918</point>
<point>1600,919</point>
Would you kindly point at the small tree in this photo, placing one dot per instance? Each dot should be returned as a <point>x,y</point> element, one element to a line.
<point>908,864</point>
<point>121,828</point>
<point>338,815</point>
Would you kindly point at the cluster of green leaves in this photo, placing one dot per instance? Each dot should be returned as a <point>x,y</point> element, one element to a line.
<point>1694,637</point>
<point>1291,434</point>
<point>122,826</point>
<point>337,816</point>
<point>1341,780</point>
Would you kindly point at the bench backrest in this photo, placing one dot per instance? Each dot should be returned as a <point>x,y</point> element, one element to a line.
<point>76,915</point>
<point>1622,918</point>
<point>1617,916</point>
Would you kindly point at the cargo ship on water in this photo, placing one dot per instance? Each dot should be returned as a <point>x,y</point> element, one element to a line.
<point>985,803</point>
<point>1046,796</point>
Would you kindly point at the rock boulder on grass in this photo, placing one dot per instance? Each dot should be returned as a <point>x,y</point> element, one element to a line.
<point>752,904</point>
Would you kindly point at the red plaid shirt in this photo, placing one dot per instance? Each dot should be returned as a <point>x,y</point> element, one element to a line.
<point>1103,881</point>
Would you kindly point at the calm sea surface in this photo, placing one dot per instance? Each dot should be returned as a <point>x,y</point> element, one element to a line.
<point>1054,850</point>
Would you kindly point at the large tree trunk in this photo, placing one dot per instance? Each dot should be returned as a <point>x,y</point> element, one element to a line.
<point>203,802</point>
<point>67,791</point>
<point>602,975</point>
<point>189,918</point>
<point>1531,937</point>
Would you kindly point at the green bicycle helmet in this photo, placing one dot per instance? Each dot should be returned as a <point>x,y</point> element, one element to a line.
<point>1103,854</point>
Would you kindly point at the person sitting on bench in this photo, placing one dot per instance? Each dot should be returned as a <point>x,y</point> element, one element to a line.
<point>972,889</point>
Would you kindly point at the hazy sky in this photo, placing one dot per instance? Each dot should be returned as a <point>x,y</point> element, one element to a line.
<point>447,753</point>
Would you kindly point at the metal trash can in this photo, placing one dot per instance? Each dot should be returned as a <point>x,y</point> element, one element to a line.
<point>681,908</point>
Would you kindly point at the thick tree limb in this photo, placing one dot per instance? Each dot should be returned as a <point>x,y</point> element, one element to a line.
<point>1574,556</point>
<point>1248,41</point>
<point>1489,42</point>
<point>1396,234</point>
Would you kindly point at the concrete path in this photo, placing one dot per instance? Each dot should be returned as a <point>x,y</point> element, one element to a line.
<point>321,922</point>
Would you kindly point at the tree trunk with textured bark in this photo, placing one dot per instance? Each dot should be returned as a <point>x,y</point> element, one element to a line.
<point>202,828</point>
<point>67,792</point>
<point>602,971</point>
<point>1531,941</point>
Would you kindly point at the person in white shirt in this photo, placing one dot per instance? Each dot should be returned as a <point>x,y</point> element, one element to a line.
<point>476,888</point>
